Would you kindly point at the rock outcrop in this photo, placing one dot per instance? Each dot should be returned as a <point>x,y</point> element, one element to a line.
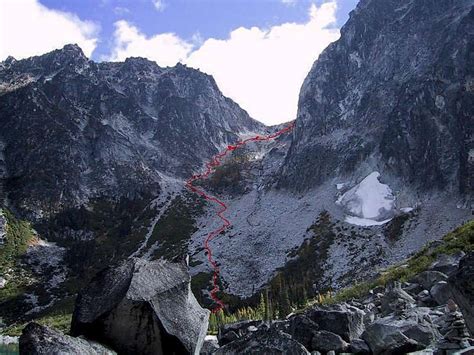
<point>385,98</point>
<point>37,339</point>
<point>462,282</point>
<point>142,307</point>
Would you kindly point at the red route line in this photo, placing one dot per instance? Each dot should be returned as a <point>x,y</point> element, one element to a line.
<point>210,167</point>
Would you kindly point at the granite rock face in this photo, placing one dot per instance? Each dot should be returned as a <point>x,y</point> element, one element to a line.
<point>37,339</point>
<point>394,94</point>
<point>142,307</point>
<point>72,129</point>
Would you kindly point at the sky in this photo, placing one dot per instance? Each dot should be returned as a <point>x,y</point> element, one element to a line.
<point>259,51</point>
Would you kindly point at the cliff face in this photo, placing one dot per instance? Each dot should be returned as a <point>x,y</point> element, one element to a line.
<point>72,129</point>
<point>394,94</point>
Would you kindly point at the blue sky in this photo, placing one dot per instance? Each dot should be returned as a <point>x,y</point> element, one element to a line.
<point>259,51</point>
<point>186,18</point>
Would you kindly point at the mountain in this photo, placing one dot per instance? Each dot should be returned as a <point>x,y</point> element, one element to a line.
<point>72,129</point>
<point>380,162</point>
<point>393,94</point>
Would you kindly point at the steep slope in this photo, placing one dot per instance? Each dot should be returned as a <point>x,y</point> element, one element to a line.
<point>394,94</point>
<point>72,129</point>
<point>380,161</point>
<point>95,155</point>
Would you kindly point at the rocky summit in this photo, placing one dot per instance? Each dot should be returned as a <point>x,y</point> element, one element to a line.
<point>105,129</point>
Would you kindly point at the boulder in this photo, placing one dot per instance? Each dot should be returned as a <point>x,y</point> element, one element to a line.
<point>325,341</point>
<point>428,278</point>
<point>441,292</point>
<point>359,347</point>
<point>230,332</point>
<point>395,299</point>
<point>264,341</point>
<point>37,339</point>
<point>447,264</point>
<point>462,283</point>
<point>142,307</point>
<point>411,331</point>
<point>300,327</point>
<point>384,338</point>
<point>413,289</point>
<point>210,345</point>
<point>342,319</point>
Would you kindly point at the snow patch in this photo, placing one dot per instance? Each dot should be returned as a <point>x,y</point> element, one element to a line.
<point>365,222</point>
<point>370,199</point>
<point>406,209</point>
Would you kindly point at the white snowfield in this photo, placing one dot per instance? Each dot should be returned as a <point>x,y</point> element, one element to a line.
<point>369,202</point>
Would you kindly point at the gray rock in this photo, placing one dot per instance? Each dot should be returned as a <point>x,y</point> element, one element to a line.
<point>230,332</point>
<point>37,339</point>
<point>463,289</point>
<point>384,338</point>
<point>359,346</point>
<point>228,337</point>
<point>265,341</point>
<point>301,328</point>
<point>326,341</point>
<point>413,289</point>
<point>142,307</point>
<point>428,278</point>
<point>441,292</point>
<point>210,346</point>
<point>343,320</point>
<point>447,264</point>
<point>413,329</point>
<point>395,299</point>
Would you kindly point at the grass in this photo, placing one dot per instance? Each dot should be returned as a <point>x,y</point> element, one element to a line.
<point>461,239</point>
<point>60,321</point>
<point>19,234</point>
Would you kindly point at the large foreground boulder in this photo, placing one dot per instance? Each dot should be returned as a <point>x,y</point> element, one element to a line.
<point>142,307</point>
<point>37,339</point>
<point>462,283</point>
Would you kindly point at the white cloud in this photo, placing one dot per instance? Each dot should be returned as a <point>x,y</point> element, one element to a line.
<point>261,69</point>
<point>159,5</point>
<point>28,28</point>
<point>289,2</point>
<point>166,49</point>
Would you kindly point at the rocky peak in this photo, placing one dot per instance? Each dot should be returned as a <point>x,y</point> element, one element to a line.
<point>121,122</point>
<point>391,95</point>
